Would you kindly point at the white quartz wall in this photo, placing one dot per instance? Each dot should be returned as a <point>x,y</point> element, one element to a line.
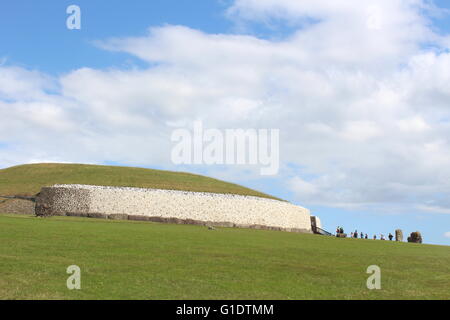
<point>318,222</point>
<point>199,206</point>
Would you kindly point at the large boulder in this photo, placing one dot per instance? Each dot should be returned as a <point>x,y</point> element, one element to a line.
<point>398,235</point>
<point>415,237</point>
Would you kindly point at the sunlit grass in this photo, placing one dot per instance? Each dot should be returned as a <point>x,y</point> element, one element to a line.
<point>141,260</point>
<point>29,179</point>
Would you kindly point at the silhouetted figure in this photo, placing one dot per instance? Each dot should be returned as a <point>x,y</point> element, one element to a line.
<point>367,237</point>
<point>355,234</point>
<point>362,235</point>
<point>374,237</point>
<point>390,236</point>
<point>341,230</point>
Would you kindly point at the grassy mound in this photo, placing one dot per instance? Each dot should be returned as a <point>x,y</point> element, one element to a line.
<point>142,260</point>
<point>28,180</point>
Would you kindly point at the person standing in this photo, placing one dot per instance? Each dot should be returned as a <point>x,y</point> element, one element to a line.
<point>374,237</point>
<point>390,236</point>
<point>362,235</point>
<point>367,237</point>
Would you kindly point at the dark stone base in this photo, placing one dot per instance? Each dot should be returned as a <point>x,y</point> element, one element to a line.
<point>180,221</point>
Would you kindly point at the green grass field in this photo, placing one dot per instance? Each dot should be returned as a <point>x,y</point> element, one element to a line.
<point>141,260</point>
<point>29,179</point>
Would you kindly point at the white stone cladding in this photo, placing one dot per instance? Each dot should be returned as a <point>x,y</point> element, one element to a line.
<point>198,206</point>
<point>318,222</point>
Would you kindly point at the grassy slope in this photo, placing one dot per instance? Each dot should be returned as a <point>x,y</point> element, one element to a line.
<point>28,179</point>
<point>125,259</point>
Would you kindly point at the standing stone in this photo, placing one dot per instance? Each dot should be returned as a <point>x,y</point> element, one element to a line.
<point>398,235</point>
<point>415,237</point>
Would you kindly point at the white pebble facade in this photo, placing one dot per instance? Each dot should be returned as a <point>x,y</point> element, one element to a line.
<point>188,207</point>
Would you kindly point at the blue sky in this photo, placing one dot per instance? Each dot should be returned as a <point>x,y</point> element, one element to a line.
<point>34,34</point>
<point>380,185</point>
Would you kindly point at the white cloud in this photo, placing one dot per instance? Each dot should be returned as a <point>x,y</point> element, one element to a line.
<point>415,124</point>
<point>303,187</point>
<point>434,209</point>
<point>361,105</point>
<point>348,31</point>
<point>447,234</point>
<point>18,83</point>
<point>361,130</point>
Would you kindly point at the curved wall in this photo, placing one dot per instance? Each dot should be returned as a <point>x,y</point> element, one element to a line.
<point>172,206</point>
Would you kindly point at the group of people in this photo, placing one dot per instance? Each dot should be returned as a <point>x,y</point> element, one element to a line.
<point>356,235</point>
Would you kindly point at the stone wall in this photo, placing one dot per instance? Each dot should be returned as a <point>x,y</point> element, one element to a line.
<point>17,206</point>
<point>172,206</point>
<point>318,222</point>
